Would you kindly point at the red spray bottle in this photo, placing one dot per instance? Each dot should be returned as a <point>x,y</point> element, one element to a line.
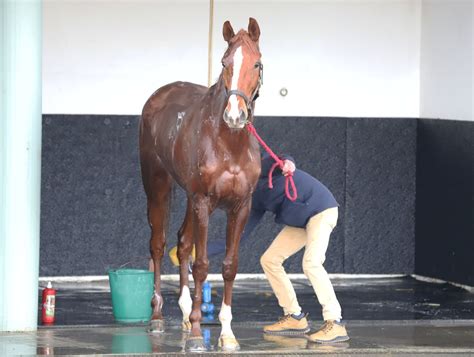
<point>48,303</point>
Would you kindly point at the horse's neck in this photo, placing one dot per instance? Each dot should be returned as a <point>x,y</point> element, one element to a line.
<point>218,99</point>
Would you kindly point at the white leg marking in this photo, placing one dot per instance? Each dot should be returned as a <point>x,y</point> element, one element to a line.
<point>185,303</point>
<point>225,317</point>
<point>234,104</point>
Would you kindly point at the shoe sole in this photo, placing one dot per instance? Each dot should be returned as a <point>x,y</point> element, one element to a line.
<point>334,340</point>
<point>288,332</point>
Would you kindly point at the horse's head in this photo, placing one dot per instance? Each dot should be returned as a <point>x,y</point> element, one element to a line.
<point>242,73</point>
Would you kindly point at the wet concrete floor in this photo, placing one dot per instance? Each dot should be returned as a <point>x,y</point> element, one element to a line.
<point>361,299</point>
<point>389,316</point>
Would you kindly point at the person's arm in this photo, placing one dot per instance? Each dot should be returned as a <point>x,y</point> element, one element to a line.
<point>218,246</point>
<point>255,217</point>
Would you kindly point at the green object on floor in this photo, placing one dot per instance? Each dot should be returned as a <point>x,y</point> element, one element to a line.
<point>131,291</point>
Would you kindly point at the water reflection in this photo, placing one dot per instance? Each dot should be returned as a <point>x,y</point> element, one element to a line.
<point>328,347</point>
<point>45,342</point>
<point>133,340</point>
<point>298,342</point>
<point>206,334</point>
<point>301,343</point>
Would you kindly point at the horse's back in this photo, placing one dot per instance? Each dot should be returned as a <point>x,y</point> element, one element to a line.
<point>176,94</point>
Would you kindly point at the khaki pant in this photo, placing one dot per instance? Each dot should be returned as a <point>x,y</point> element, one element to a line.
<point>290,240</point>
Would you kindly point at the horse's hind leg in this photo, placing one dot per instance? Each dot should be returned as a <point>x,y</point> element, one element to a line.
<point>158,192</point>
<point>200,219</point>
<point>185,244</point>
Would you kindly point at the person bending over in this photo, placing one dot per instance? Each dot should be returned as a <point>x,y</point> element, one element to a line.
<point>308,222</point>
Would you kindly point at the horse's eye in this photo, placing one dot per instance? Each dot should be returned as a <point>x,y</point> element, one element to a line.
<point>257,65</point>
<point>223,65</point>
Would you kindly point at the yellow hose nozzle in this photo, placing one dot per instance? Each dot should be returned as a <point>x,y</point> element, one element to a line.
<point>173,253</point>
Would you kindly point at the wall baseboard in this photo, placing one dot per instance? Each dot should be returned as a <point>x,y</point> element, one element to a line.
<point>216,277</point>
<point>441,281</point>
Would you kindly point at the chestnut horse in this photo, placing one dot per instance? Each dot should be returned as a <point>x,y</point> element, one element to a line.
<point>195,136</point>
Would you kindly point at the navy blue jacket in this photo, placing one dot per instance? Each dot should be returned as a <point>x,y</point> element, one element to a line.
<point>313,198</point>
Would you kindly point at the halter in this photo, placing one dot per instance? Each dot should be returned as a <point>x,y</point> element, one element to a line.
<point>248,102</point>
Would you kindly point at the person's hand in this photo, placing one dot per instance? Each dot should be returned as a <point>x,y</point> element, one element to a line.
<point>288,168</point>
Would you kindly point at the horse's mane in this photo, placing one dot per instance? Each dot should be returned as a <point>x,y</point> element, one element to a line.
<point>244,37</point>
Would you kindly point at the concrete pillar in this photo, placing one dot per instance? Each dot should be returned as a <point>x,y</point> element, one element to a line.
<point>20,162</point>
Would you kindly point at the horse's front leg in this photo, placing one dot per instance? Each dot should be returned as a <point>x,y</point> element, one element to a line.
<point>201,210</point>
<point>236,220</point>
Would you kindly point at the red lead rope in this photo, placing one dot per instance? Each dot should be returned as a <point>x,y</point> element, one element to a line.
<point>288,179</point>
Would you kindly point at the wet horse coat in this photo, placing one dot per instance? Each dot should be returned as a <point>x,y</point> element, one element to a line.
<point>195,136</point>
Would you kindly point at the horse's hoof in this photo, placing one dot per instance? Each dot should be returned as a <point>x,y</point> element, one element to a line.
<point>195,344</point>
<point>186,325</point>
<point>228,343</point>
<point>157,326</point>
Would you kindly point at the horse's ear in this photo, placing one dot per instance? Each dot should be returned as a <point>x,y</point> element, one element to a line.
<point>254,29</point>
<point>227,31</point>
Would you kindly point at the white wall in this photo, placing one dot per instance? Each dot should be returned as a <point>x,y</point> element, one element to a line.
<point>447,60</point>
<point>335,57</point>
<point>108,57</point>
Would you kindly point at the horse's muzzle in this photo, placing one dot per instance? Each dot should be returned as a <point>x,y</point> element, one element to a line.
<point>235,122</point>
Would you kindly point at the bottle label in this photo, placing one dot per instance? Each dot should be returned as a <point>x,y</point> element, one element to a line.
<point>49,305</point>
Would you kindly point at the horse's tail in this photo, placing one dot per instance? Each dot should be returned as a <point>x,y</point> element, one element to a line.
<point>172,199</point>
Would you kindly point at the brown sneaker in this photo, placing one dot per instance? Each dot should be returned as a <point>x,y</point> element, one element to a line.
<point>330,332</point>
<point>288,325</point>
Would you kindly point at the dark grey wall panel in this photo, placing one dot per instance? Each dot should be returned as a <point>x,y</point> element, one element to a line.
<point>93,214</point>
<point>445,193</point>
<point>94,208</point>
<point>380,196</point>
